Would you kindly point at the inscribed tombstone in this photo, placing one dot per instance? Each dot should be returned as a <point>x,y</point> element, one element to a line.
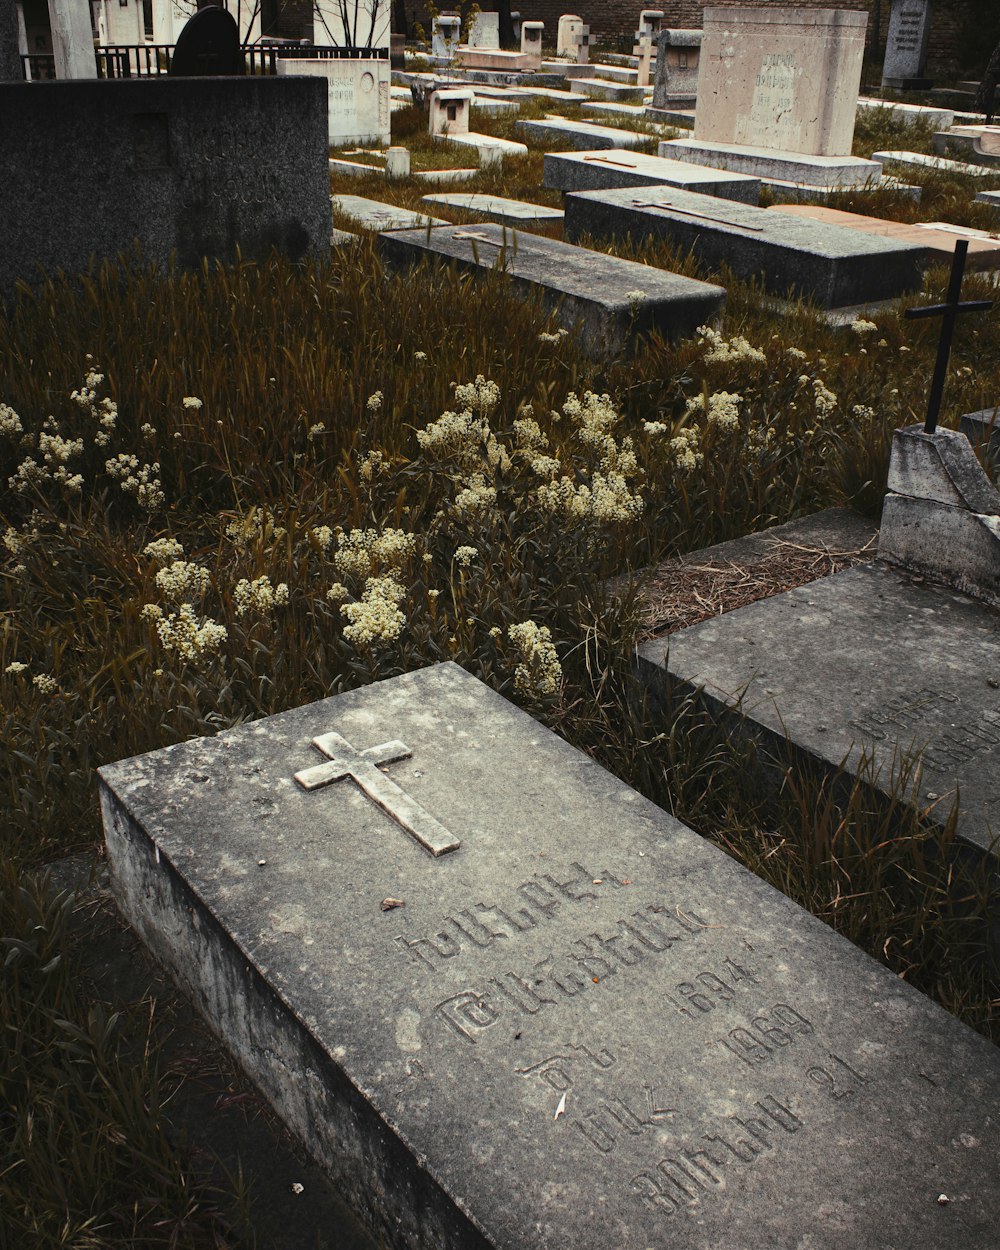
<point>779,77</point>
<point>584,1026</point>
<point>357,95</point>
<point>906,46</point>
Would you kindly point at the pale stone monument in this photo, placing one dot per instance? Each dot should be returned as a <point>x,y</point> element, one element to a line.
<point>779,77</point>
<point>568,36</point>
<point>531,43</point>
<point>906,46</point>
<point>357,93</point>
<point>449,111</point>
<point>677,56</point>
<point>72,39</point>
<point>777,95</point>
<point>485,31</point>
<point>445,34</point>
<point>507,1002</point>
<point>121,22</point>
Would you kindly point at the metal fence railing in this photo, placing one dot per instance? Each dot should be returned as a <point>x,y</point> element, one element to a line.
<point>148,60</point>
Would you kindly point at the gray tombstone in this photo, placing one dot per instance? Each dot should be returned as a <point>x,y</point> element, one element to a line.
<point>208,46</point>
<point>906,46</point>
<point>676,82</point>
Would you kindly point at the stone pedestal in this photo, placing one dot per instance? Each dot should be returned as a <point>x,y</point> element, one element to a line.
<point>72,39</point>
<point>782,78</point>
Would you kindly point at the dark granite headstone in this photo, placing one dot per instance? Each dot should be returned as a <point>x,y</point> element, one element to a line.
<point>584,1028</point>
<point>10,52</point>
<point>194,167</point>
<point>208,47</point>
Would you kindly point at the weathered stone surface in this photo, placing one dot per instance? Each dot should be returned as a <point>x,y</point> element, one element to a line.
<point>982,427</point>
<point>10,52</point>
<point>862,661</point>
<point>677,55</point>
<point>937,238</point>
<point>906,45</point>
<point>593,171</point>
<point>584,1027</point>
<point>497,207</point>
<point>942,117</point>
<point>921,160</point>
<point>602,89</point>
<point>580,134</point>
<point>836,267</point>
<point>88,168</point>
<point>980,145</point>
<point>941,518</point>
<point>374,215</point>
<point>615,301</point>
<point>771,163</point>
<point>357,94</point>
<point>780,77</point>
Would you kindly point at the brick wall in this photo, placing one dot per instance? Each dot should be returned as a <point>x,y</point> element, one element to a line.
<point>959,41</point>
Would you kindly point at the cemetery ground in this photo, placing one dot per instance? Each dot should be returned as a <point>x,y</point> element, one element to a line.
<point>233,492</point>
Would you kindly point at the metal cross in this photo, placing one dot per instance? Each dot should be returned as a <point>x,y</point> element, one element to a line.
<point>362,768</point>
<point>948,312</point>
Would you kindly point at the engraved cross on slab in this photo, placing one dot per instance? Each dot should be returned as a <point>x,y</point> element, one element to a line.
<point>363,768</point>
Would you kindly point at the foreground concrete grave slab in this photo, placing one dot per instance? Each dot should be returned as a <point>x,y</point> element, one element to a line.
<point>862,661</point>
<point>581,1027</point>
<point>920,160</point>
<point>496,206</point>
<point>936,237</point>
<point>580,134</point>
<point>615,301</point>
<point>834,266</point>
<point>592,171</point>
<point>374,215</point>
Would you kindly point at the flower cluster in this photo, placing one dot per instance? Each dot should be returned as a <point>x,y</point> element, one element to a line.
<point>183,582</point>
<point>375,618</point>
<point>684,449</point>
<point>363,553</point>
<point>184,634</point>
<point>163,550</point>
<point>729,351</point>
<point>259,596</point>
<point>142,481</point>
<point>10,422</point>
<point>539,673</point>
<point>723,408</point>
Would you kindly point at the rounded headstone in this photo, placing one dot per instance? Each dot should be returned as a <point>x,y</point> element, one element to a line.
<point>209,45</point>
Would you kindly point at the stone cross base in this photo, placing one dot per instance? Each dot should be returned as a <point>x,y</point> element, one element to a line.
<point>941,518</point>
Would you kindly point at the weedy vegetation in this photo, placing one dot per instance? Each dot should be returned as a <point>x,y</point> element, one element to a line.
<point>230,492</point>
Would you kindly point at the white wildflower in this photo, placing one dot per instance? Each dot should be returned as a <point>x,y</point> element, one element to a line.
<point>374,404</point>
<point>729,351</point>
<point>183,582</point>
<point>362,553</point>
<point>192,403</point>
<point>163,550</point>
<point>861,326</point>
<point>259,596</point>
<point>465,555</point>
<point>183,633</point>
<point>10,422</point>
<point>44,683</point>
<point>375,618</point>
<point>539,673</point>
<point>15,667</point>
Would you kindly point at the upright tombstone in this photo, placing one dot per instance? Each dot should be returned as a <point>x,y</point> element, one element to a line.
<point>906,46</point>
<point>568,35</point>
<point>531,43</point>
<point>677,56</point>
<point>507,1002</point>
<point>208,47</point>
<point>72,39</point>
<point>485,31</point>
<point>121,22</point>
<point>449,111</point>
<point>357,93</point>
<point>446,32</point>
<point>779,87</point>
<point>777,77</point>
<point>191,167</point>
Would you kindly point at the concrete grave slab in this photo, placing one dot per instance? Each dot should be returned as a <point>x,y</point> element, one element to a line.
<point>979,144</point>
<point>616,300</point>
<point>937,238</point>
<point>920,160</point>
<point>982,427</point>
<point>583,1026</point>
<point>498,207</point>
<point>374,215</point>
<point>909,112</point>
<point>602,89</point>
<point>593,171</point>
<point>834,172</point>
<point>989,197</point>
<point>862,661</point>
<point>580,134</point>
<point>831,265</point>
<point>486,143</point>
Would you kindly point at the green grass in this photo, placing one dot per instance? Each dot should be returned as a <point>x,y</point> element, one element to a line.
<point>312,386</point>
